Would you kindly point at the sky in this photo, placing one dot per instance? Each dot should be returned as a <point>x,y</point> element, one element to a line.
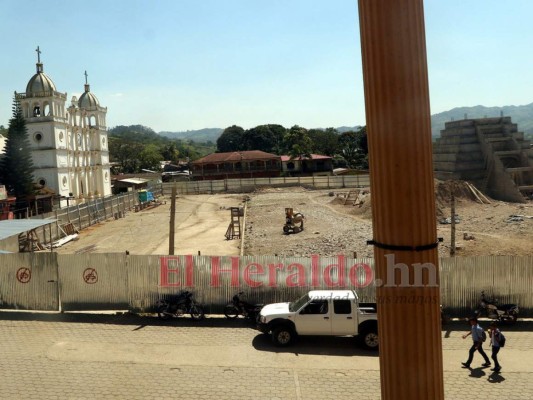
<point>177,65</point>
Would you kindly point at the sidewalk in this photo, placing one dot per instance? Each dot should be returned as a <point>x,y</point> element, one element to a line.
<point>47,356</point>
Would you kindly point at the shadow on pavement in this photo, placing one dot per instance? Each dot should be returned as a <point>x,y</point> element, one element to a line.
<point>495,377</point>
<point>316,345</point>
<point>477,372</point>
<point>126,318</point>
<point>211,320</point>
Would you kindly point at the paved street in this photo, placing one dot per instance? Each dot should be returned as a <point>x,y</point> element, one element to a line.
<point>81,356</point>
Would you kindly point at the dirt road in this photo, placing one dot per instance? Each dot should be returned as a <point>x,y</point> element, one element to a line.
<point>331,228</point>
<point>201,222</point>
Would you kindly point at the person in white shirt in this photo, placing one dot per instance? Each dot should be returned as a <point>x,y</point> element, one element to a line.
<point>477,338</point>
<point>495,338</point>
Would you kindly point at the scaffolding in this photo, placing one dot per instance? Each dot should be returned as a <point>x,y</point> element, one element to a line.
<point>234,228</point>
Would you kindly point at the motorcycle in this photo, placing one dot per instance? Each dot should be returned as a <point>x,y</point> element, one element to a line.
<point>173,306</point>
<point>240,307</point>
<point>491,309</point>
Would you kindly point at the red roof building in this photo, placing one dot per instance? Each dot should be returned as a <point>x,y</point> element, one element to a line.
<point>315,165</point>
<point>237,164</point>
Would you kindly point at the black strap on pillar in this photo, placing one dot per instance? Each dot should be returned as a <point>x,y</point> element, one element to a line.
<point>396,247</point>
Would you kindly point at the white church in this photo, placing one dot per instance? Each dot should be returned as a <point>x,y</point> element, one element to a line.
<point>69,146</point>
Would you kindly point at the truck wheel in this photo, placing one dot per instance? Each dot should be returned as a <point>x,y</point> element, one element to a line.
<point>283,336</point>
<point>370,339</point>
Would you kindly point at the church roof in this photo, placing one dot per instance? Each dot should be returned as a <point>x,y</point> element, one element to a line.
<point>39,83</point>
<point>87,99</point>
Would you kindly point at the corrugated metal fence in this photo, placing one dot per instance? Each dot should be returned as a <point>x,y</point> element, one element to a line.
<point>250,184</point>
<point>86,214</point>
<point>117,281</point>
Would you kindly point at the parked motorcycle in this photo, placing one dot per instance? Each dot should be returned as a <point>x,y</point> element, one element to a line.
<point>489,308</point>
<point>172,306</point>
<point>240,307</point>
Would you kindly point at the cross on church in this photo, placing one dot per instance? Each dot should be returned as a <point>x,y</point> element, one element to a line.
<point>38,55</point>
<point>86,77</point>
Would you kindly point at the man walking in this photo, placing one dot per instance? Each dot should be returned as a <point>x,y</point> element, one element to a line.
<point>477,338</point>
<point>495,341</point>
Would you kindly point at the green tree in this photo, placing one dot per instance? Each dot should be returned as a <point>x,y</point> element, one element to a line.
<point>150,157</point>
<point>126,143</point>
<point>354,148</point>
<point>325,141</point>
<point>3,130</point>
<point>170,152</point>
<point>232,139</point>
<point>16,166</point>
<point>126,154</point>
<point>297,142</point>
<point>266,138</point>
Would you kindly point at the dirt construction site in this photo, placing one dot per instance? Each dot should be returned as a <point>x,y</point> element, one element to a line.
<point>335,222</point>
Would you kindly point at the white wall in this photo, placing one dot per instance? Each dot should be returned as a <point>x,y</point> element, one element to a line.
<point>2,143</point>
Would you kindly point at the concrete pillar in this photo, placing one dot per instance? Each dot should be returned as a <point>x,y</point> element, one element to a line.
<point>403,199</point>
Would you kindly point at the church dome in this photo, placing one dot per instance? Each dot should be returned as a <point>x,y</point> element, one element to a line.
<point>87,99</point>
<point>40,82</point>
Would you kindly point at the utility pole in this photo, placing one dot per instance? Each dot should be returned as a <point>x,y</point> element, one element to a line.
<point>172,221</point>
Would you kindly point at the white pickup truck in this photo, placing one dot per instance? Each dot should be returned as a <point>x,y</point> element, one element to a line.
<point>321,312</point>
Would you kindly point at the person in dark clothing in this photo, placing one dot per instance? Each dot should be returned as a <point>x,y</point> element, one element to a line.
<point>477,338</point>
<point>495,338</point>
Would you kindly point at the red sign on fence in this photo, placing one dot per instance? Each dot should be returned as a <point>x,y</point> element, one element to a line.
<point>23,275</point>
<point>90,276</point>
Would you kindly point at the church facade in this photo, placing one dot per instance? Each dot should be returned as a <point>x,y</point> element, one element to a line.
<point>69,144</point>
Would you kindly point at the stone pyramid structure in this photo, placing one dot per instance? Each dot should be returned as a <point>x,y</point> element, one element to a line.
<point>490,153</point>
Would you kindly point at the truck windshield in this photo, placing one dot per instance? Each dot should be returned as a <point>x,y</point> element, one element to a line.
<point>296,305</point>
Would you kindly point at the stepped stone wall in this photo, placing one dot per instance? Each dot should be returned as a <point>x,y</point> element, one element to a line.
<point>489,152</point>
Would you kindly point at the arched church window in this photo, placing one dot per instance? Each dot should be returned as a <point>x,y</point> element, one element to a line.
<point>46,110</point>
<point>36,111</point>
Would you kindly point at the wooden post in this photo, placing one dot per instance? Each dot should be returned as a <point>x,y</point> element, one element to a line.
<point>452,235</point>
<point>403,199</point>
<point>57,224</point>
<point>172,221</point>
<point>51,248</point>
<point>105,212</point>
<point>79,217</point>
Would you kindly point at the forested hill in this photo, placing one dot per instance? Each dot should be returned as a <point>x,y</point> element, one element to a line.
<point>134,133</point>
<point>520,115</point>
<point>200,135</point>
<point>212,134</point>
